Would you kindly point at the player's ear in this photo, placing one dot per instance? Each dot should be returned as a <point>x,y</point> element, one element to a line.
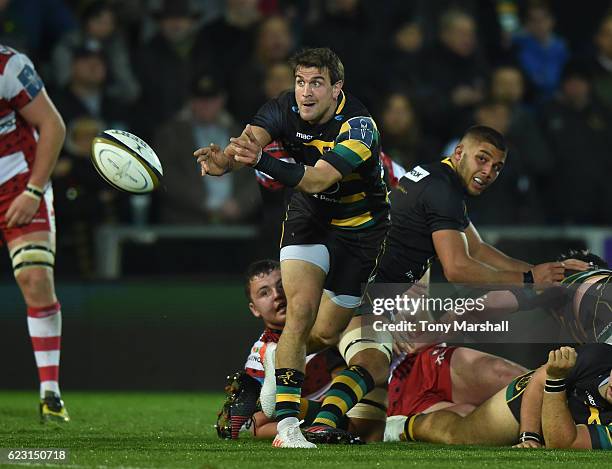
<point>253,309</point>
<point>456,156</point>
<point>337,88</point>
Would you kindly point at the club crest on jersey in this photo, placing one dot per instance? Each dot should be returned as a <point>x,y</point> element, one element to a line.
<point>416,174</point>
<point>362,129</point>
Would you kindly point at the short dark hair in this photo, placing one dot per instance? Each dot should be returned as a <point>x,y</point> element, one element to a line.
<point>321,58</point>
<point>264,266</point>
<point>583,255</point>
<point>482,133</point>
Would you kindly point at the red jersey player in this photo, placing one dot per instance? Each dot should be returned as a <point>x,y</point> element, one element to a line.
<point>31,137</point>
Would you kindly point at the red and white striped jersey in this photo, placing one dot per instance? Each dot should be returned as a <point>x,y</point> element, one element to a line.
<point>19,85</point>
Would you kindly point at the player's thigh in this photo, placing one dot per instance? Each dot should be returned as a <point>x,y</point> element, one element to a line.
<point>303,283</point>
<point>332,320</point>
<point>476,375</point>
<point>491,423</point>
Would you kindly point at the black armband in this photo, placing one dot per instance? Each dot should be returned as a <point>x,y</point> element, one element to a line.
<point>555,385</point>
<point>530,436</point>
<point>528,277</point>
<point>290,174</point>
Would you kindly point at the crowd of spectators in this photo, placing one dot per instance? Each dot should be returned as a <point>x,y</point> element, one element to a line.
<point>183,73</point>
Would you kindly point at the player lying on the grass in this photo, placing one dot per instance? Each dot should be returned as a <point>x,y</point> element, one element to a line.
<point>569,398</point>
<point>456,378</point>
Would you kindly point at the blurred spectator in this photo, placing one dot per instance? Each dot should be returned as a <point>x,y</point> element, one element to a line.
<point>402,56</point>
<point>602,63</point>
<point>401,134</point>
<point>540,52</point>
<point>189,198</point>
<point>165,67</point>
<point>33,26</point>
<point>454,71</point>
<point>82,199</point>
<point>579,130</point>
<point>508,86</point>
<point>225,42</point>
<point>84,95</point>
<point>279,78</point>
<point>99,29</point>
<point>346,27</point>
<point>273,44</point>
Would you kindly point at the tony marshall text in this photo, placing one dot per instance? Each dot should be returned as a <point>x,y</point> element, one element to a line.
<point>445,328</point>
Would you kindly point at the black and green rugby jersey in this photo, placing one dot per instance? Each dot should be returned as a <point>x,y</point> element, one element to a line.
<point>350,142</point>
<point>427,198</point>
<point>586,404</point>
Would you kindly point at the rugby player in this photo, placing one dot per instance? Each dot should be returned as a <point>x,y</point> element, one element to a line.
<point>31,137</point>
<point>333,232</point>
<point>569,398</point>
<point>430,220</point>
<point>455,378</point>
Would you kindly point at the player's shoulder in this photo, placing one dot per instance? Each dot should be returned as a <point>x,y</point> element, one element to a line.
<point>436,176</point>
<point>6,54</point>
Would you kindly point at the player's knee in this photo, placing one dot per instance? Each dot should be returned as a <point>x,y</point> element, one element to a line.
<point>325,338</point>
<point>503,370</point>
<point>375,361</point>
<point>35,281</point>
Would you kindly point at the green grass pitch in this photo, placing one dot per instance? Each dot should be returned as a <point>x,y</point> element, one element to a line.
<point>137,430</point>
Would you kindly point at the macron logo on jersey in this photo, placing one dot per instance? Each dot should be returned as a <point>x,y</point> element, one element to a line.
<point>304,136</point>
<point>416,174</point>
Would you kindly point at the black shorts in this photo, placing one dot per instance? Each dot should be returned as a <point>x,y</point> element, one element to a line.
<point>353,254</point>
<point>514,393</point>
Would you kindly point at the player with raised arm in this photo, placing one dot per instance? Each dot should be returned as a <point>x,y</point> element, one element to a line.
<point>31,137</point>
<point>334,230</point>
<point>569,398</point>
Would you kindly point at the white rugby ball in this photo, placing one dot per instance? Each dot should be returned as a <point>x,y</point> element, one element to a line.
<point>126,161</point>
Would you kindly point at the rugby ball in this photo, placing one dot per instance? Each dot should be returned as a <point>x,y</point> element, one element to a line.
<point>126,161</point>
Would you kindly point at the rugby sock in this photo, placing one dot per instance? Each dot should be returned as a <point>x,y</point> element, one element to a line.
<point>45,327</point>
<point>407,434</point>
<point>346,390</point>
<point>288,392</point>
<point>308,410</point>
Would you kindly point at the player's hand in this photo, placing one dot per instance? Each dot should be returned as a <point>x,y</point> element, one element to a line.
<point>548,272</point>
<point>21,211</point>
<point>528,444</point>
<point>575,264</point>
<point>212,160</point>
<point>560,362</point>
<point>246,147</point>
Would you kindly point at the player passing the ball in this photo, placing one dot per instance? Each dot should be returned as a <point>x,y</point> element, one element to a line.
<point>332,235</point>
<point>31,137</point>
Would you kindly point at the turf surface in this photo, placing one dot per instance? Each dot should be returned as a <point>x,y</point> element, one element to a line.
<point>134,430</point>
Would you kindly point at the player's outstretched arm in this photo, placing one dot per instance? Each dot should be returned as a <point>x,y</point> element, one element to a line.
<point>489,255</point>
<point>248,150</point>
<point>42,114</point>
<point>530,430</point>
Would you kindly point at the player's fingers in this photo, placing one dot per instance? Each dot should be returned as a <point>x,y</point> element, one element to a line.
<point>551,357</point>
<point>575,264</point>
<point>249,132</point>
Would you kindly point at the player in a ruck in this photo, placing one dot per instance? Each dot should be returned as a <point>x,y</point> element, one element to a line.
<point>333,233</point>
<point>31,137</point>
